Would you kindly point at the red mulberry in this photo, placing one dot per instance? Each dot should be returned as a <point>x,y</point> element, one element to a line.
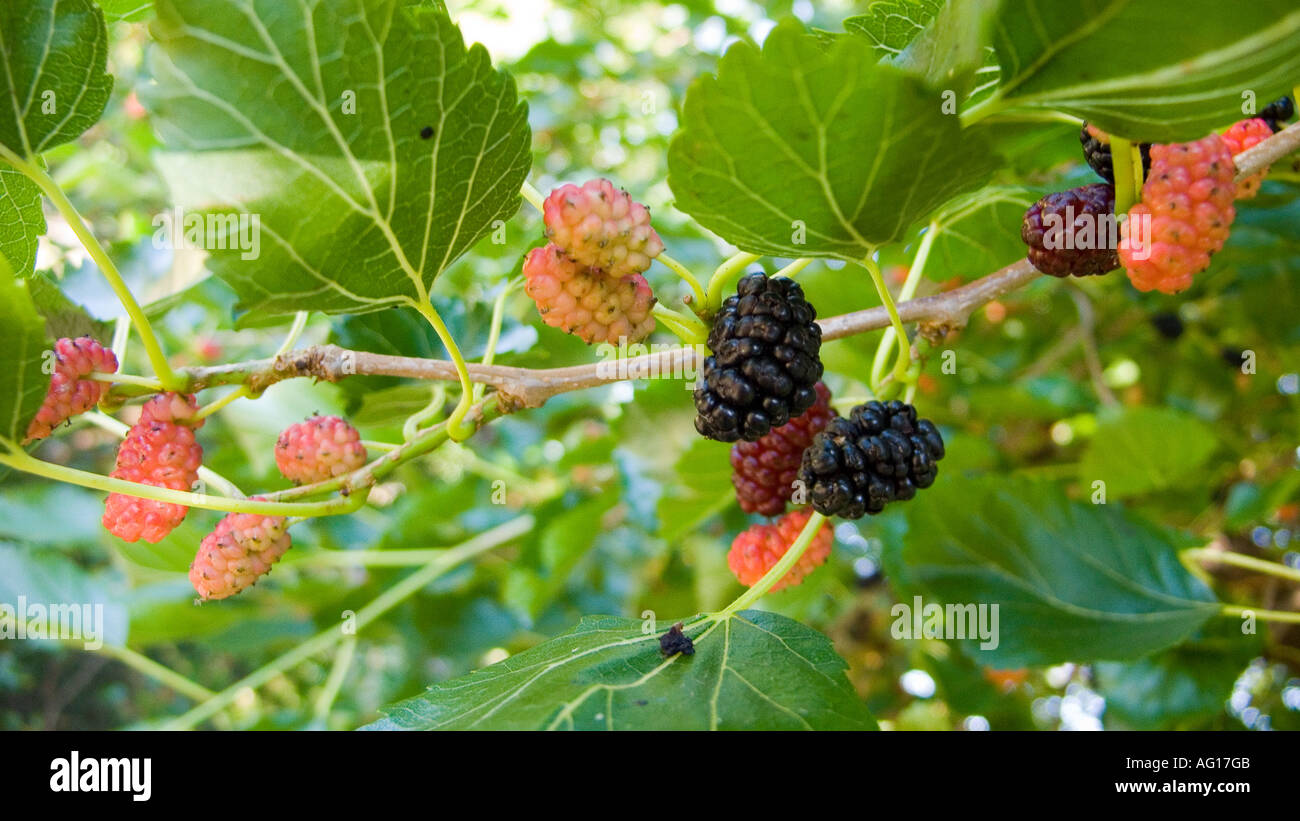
<point>758,549</point>
<point>321,448</point>
<point>237,553</point>
<point>581,301</point>
<point>70,393</point>
<point>764,472</point>
<point>159,450</point>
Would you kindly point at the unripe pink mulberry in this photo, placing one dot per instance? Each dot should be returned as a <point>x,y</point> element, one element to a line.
<point>238,552</point>
<point>601,227</point>
<point>758,549</point>
<point>590,305</point>
<point>321,448</point>
<point>159,450</point>
<point>1242,135</point>
<point>70,393</point>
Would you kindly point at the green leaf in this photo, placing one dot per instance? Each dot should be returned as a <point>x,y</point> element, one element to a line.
<point>979,232</point>
<point>702,491</point>
<point>752,671</point>
<point>23,344</point>
<point>1142,449</point>
<point>795,151</point>
<point>953,46</point>
<point>22,221</point>
<point>46,579</point>
<point>891,24</point>
<point>1182,688</point>
<point>365,147</point>
<point>63,317</point>
<point>1073,582</point>
<point>1154,70</point>
<point>52,86</point>
<point>542,569</point>
<point>127,11</point>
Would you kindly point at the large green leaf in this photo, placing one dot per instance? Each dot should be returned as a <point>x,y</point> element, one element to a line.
<point>1155,70</point>
<point>891,24</point>
<point>953,46</point>
<point>1072,581</point>
<point>1142,449</point>
<point>751,671</point>
<point>355,211</point>
<point>22,221</point>
<point>52,80</point>
<point>23,376</point>
<point>979,232</point>
<point>797,151</point>
<point>128,11</point>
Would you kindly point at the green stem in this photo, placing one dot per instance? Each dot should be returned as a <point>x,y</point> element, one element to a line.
<point>701,299</point>
<point>904,347</point>
<point>211,408</point>
<point>120,429</point>
<point>1125,192</point>
<point>534,197</point>
<point>686,328</point>
<point>295,331</point>
<point>65,207</point>
<point>338,674</point>
<point>1266,615</point>
<point>724,274</point>
<point>448,560</point>
<point>1277,569</point>
<point>121,333</point>
<point>126,379</point>
<point>914,276</point>
<point>438,398</point>
<point>382,447</point>
<point>792,270</point>
<point>778,570</point>
<point>20,460</point>
<point>166,676</point>
<point>494,334</point>
<point>456,427</point>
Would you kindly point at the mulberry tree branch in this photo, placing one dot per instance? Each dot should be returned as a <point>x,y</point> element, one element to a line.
<point>531,387</point>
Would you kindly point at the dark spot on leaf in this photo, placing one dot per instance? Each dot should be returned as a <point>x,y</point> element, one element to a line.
<point>426,132</point>
<point>675,641</point>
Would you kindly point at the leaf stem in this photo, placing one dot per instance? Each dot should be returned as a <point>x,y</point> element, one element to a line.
<point>534,197</point>
<point>494,333</point>
<point>412,425</point>
<point>338,674</point>
<point>126,379</point>
<point>1281,571</point>
<point>792,270</point>
<point>456,427</point>
<point>163,675</point>
<point>701,299</point>
<point>904,347</point>
<point>723,274</point>
<point>686,328</point>
<point>778,571</point>
<point>106,266</point>
<point>1266,615</point>
<point>119,429</point>
<point>448,560</point>
<point>914,276</point>
<point>295,331</point>
<point>212,407</point>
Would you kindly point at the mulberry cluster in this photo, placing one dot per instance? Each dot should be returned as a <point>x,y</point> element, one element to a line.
<point>766,361</point>
<point>70,393</point>
<point>1187,206</point>
<point>601,227</point>
<point>764,472</point>
<point>1240,136</point>
<point>159,450</point>
<point>585,302</point>
<point>1096,152</point>
<point>321,448</point>
<point>237,553</point>
<point>881,453</point>
<point>1066,232</point>
<point>758,549</point>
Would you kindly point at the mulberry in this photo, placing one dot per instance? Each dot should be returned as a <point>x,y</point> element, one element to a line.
<point>1096,152</point>
<point>237,553</point>
<point>881,453</point>
<point>766,359</point>
<point>321,448</point>
<point>1240,136</point>
<point>159,450</point>
<point>764,472</point>
<point>1068,232</point>
<point>70,393</point>
<point>602,228</point>
<point>758,549</point>
<point>581,301</point>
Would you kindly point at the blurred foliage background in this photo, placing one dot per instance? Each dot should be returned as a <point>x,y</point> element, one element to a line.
<point>633,511</point>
